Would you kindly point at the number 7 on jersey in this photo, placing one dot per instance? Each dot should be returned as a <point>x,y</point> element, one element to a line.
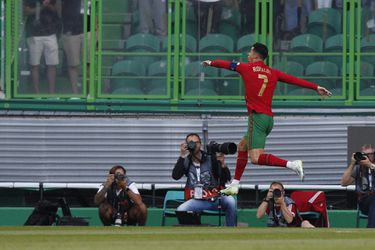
<point>264,85</point>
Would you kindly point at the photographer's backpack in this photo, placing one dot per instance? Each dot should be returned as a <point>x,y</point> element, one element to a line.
<point>44,214</point>
<point>67,219</point>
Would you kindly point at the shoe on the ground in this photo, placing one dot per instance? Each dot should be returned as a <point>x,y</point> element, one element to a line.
<point>232,189</point>
<point>297,166</point>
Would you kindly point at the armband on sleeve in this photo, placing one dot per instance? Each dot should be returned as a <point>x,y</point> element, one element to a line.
<point>233,65</point>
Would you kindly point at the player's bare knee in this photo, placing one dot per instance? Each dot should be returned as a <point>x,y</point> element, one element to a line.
<point>254,160</point>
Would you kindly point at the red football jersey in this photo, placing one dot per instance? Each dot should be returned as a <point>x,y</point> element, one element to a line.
<point>260,81</point>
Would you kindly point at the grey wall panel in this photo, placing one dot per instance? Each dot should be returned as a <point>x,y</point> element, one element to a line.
<point>71,149</point>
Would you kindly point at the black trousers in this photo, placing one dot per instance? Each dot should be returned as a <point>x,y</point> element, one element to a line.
<point>367,206</point>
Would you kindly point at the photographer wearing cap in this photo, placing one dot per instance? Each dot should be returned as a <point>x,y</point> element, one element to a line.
<point>281,210</point>
<point>206,174</point>
<point>361,171</point>
<point>119,200</point>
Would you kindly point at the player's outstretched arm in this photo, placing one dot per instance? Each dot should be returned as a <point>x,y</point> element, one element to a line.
<point>323,91</point>
<point>230,65</point>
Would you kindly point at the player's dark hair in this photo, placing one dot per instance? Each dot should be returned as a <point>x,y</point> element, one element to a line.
<point>261,49</point>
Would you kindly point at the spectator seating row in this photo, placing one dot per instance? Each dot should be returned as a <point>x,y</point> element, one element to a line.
<point>324,22</point>
<point>311,43</point>
<point>221,43</point>
<point>206,80</point>
<point>129,76</point>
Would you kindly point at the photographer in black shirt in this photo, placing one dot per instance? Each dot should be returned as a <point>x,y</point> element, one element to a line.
<point>119,200</point>
<point>361,171</point>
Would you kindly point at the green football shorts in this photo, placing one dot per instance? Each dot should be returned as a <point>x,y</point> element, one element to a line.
<point>258,128</point>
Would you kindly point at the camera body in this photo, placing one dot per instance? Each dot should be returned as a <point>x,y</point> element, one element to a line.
<point>225,148</point>
<point>119,177</point>
<point>191,146</point>
<point>359,156</point>
<point>276,193</point>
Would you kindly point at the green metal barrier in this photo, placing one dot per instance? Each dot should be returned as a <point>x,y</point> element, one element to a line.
<point>16,216</point>
<point>104,90</point>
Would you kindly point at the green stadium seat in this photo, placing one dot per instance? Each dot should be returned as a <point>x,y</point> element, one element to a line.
<point>142,42</point>
<point>322,69</point>
<point>324,22</point>
<point>305,43</point>
<point>245,42</point>
<point>368,45</point>
<point>325,69</point>
<point>198,72</point>
<point>125,69</point>
<point>230,86</point>
<point>128,68</point>
<point>201,91</point>
<point>291,68</point>
<point>370,91</point>
<point>335,44</point>
<point>228,73</point>
<point>191,84</point>
<point>129,90</point>
<point>158,68</point>
<point>157,86</point>
<point>218,43</point>
<point>190,43</point>
<point>196,69</point>
<point>171,201</point>
<point>302,92</point>
<point>365,70</point>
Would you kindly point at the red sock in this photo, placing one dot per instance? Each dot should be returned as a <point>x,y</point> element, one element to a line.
<point>240,164</point>
<point>271,160</point>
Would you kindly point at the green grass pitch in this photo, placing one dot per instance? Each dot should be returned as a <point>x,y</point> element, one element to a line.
<point>181,238</point>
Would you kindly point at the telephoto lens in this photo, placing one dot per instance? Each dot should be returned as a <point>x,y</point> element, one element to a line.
<point>118,220</point>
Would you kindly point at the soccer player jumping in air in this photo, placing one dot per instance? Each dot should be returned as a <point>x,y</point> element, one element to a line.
<point>260,82</point>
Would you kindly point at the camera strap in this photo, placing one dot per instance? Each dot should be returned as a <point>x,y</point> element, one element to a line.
<point>276,216</point>
<point>370,179</point>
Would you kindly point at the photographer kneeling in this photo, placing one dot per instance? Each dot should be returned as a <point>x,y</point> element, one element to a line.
<point>281,210</point>
<point>361,171</point>
<point>119,200</point>
<point>206,175</point>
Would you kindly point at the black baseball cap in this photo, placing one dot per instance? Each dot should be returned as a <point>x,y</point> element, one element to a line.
<point>261,49</point>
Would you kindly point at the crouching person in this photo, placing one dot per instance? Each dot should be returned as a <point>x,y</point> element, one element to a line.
<point>119,200</point>
<point>281,210</point>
